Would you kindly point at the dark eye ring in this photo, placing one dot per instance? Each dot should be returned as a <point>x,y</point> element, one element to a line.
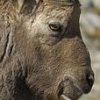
<point>55,26</point>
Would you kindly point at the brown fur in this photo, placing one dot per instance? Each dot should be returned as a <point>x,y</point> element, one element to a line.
<point>35,62</point>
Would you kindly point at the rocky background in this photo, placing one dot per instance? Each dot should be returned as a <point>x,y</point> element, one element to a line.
<point>90,28</point>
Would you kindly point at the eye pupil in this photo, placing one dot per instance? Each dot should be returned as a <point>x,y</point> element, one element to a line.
<point>55,27</point>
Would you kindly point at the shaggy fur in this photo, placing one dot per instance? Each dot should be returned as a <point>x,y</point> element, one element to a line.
<point>37,63</point>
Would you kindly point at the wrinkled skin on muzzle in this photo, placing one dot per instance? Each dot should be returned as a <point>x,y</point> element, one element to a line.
<point>48,59</point>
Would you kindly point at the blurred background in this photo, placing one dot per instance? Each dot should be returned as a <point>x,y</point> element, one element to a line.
<point>90,28</point>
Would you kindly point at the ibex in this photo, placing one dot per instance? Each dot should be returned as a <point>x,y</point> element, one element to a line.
<point>42,54</point>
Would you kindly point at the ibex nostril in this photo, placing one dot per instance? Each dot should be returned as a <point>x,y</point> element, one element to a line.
<point>90,79</point>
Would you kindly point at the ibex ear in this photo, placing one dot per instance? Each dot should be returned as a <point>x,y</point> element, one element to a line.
<point>25,6</point>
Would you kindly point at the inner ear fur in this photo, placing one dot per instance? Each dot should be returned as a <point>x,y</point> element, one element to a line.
<point>25,6</point>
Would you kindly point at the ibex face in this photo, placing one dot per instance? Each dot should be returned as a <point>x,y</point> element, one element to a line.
<point>65,68</point>
<point>49,43</point>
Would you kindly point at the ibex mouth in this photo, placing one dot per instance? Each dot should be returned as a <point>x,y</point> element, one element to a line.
<point>68,90</point>
<point>74,96</point>
<point>64,97</point>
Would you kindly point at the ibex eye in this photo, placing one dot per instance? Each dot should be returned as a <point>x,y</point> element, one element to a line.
<point>70,2</point>
<point>55,26</point>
